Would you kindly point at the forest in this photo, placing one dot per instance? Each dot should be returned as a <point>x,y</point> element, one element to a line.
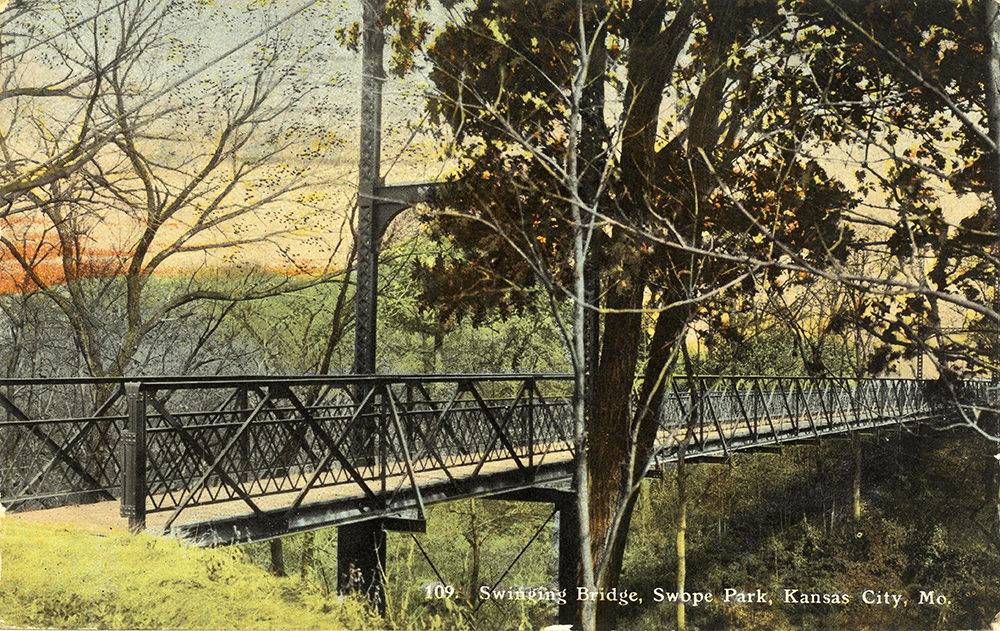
<point>629,192</point>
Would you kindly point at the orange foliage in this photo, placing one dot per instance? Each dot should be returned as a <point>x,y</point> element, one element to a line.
<point>42,252</point>
<point>48,267</point>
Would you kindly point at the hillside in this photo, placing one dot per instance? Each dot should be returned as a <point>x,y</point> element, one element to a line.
<point>58,577</point>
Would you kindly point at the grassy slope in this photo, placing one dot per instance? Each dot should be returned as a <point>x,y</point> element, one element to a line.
<point>55,577</point>
<point>784,521</point>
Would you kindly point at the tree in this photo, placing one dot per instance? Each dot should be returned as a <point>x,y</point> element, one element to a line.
<point>430,338</point>
<point>23,29</point>
<point>120,170</point>
<point>715,101</point>
<point>807,329</point>
<point>135,173</point>
<point>932,124</point>
<point>907,90</point>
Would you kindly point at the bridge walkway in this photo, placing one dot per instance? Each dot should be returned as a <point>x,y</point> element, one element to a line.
<point>247,458</point>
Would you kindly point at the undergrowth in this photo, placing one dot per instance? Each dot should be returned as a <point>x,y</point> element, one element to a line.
<point>62,578</point>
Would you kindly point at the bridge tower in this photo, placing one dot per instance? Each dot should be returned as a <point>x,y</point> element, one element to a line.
<point>361,546</point>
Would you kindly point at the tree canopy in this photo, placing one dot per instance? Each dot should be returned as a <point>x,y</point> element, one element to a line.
<point>135,146</point>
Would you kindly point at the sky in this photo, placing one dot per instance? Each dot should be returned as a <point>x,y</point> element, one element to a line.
<point>202,63</point>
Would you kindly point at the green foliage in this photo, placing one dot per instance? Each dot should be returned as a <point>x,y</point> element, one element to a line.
<point>289,333</point>
<point>292,332</point>
<point>431,337</point>
<point>61,578</point>
<point>734,104</point>
<point>770,353</point>
<point>784,522</point>
<point>501,530</point>
<point>776,350</point>
<point>407,30</point>
<point>913,83</point>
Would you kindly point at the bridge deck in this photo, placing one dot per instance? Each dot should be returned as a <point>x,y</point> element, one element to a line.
<point>104,516</point>
<point>249,458</point>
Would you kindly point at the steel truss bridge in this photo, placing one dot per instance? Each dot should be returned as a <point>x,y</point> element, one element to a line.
<point>243,458</point>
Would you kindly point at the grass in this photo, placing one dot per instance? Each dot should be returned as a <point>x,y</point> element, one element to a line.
<point>61,578</point>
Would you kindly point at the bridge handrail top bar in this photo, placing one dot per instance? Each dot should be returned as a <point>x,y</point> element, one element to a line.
<point>198,380</point>
<point>306,379</point>
<point>805,377</point>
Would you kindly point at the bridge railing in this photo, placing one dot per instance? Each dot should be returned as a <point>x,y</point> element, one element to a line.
<point>169,445</point>
<point>60,441</point>
<point>285,443</point>
<point>730,413</point>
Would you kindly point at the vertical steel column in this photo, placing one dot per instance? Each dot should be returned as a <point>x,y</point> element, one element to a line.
<point>361,546</point>
<point>361,560</point>
<point>569,557</point>
<point>566,529</point>
<point>242,413</point>
<point>365,295</point>
<point>533,399</point>
<point>382,419</point>
<point>133,503</point>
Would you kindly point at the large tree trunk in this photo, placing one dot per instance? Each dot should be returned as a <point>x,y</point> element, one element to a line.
<point>613,458</point>
<point>610,420</point>
<point>609,456</point>
<point>616,496</point>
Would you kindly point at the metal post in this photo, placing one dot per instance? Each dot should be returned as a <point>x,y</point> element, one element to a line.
<point>242,413</point>
<point>365,295</point>
<point>368,234</point>
<point>533,401</point>
<point>382,405</point>
<point>378,204</point>
<point>133,503</point>
<point>569,557</point>
<point>566,528</point>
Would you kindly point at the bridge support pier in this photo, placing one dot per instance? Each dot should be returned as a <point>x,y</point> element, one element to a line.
<point>361,548</point>
<point>361,560</point>
<point>569,557</point>
<point>569,541</point>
